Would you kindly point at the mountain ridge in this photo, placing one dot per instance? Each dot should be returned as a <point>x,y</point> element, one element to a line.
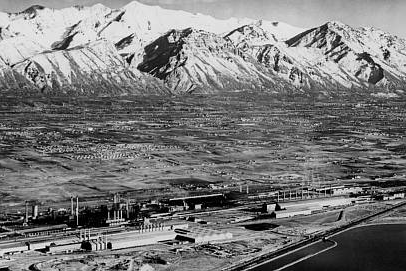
<point>129,50</point>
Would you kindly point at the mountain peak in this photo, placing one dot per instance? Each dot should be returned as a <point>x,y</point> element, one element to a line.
<point>135,4</point>
<point>32,10</point>
<point>250,35</point>
<point>336,24</point>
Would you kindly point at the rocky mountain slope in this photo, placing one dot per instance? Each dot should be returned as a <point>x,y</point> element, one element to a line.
<point>147,49</point>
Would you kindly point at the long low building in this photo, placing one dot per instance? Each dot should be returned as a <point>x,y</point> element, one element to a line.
<point>135,239</point>
<point>13,248</point>
<point>288,213</point>
<point>305,207</point>
<point>63,248</point>
<point>318,203</point>
<point>201,235</point>
<point>42,231</point>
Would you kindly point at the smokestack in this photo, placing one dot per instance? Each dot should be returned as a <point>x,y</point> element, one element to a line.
<point>77,211</point>
<point>72,212</point>
<point>248,190</point>
<point>128,209</point>
<point>26,212</point>
<point>34,211</point>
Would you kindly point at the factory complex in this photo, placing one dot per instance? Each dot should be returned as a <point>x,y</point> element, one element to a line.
<point>178,222</point>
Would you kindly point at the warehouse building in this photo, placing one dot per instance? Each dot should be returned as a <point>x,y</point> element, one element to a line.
<point>344,190</point>
<point>12,248</point>
<point>135,239</point>
<point>318,204</point>
<point>305,207</point>
<point>66,248</point>
<point>42,231</point>
<point>201,235</point>
<point>287,213</point>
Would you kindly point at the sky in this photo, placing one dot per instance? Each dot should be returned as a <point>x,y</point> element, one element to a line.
<point>388,15</point>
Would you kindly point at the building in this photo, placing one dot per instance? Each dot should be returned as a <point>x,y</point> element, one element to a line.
<point>12,248</point>
<point>201,235</point>
<point>317,204</point>
<point>135,239</point>
<point>271,207</point>
<point>64,248</point>
<point>304,207</point>
<point>146,235</point>
<point>393,196</point>
<point>42,231</point>
<point>345,190</point>
<point>288,213</point>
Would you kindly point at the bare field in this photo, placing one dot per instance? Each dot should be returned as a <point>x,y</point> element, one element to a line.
<point>51,148</point>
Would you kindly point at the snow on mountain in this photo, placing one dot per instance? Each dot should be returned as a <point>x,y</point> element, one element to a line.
<point>95,68</point>
<point>147,23</point>
<point>250,35</point>
<point>196,60</point>
<point>4,19</point>
<point>140,47</point>
<point>332,56</point>
<point>153,21</point>
<point>52,48</point>
<point>374,57</point>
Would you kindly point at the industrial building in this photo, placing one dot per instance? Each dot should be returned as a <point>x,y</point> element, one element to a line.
<point>344,190</point>
<point>271,207</point>
<point>13,248</point>
<point>196,202</point>
<point>304,207</point>
<point>201,235</point>
<point>97,241</point>
<point>393,196</point>
<point>42,231</point>
<point>288,213</point>
<point>135,239</point>
<point>145,235</point>
<point>63,248</point>
<point>317,204</point>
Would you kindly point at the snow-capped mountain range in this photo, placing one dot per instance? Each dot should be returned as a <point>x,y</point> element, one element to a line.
<point>148,49</point>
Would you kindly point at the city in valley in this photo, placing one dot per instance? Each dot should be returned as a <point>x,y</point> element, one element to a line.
<point>195,182</point>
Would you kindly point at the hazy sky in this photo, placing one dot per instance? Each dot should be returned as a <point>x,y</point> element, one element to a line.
<point>389,15</point>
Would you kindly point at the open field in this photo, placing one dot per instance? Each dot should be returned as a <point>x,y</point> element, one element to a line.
<point>51,148</point>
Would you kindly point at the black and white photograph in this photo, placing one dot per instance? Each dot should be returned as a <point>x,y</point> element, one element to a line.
<point>202,135</point>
